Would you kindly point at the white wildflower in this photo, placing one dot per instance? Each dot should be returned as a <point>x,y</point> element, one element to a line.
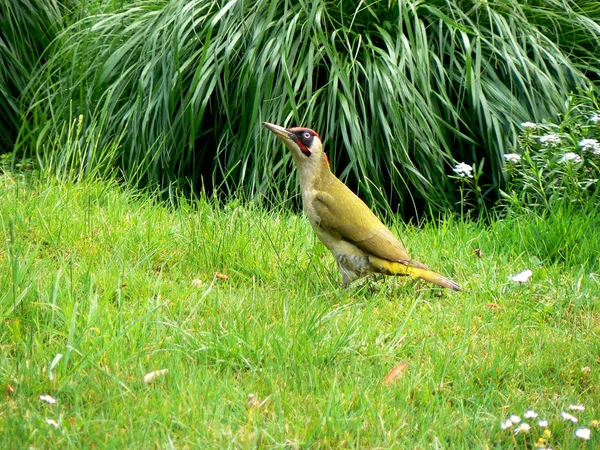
<point>530,414</point>
<point>591,145</point>
<point>506,424</point>
<point>523,428</point>
<point>595,118</point>
<point>52,422</point>
<point>569,417</point>
<point>529,126</point>
<point>579,407</point>
<point>48,399</point>
<point>514,419</point>
<point>197,283</point>
<point>550,140</point>
<point>543,423</point>
<point>512,157</point>
<point>463,170</point>
<point>583,433</point>
<point>571,157</point>
<point>522,277</point>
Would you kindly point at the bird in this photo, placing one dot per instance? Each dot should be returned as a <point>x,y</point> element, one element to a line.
<point>360,243</point>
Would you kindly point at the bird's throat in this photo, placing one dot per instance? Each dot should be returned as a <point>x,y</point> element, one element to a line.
<point>314,174</point>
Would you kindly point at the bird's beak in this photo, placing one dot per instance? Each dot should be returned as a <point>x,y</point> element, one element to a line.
<point>280,131</point>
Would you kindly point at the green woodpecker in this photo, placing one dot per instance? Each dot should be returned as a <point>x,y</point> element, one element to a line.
<point>360,243</point>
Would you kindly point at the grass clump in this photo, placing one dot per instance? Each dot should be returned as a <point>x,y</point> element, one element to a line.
<point>26,29</point>
<point>399,90</point>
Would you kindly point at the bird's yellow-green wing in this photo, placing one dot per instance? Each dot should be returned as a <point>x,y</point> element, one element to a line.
<point>355,222</point>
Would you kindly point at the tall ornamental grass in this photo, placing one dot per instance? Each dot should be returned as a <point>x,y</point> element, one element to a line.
<point>26,29</point>
<point>399,90</point>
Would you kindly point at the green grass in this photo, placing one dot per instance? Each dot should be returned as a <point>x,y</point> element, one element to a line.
<point>105,276</point>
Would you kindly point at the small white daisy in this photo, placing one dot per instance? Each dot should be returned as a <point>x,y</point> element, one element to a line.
<point>569,417</point>
<point>583,433</point>
<point>550,140</point>
<point>506,424</point>
<point>595,118</point>
<point>571,157</point>
<point>523,428</point>
<point>579,407</point>
<point>512,157</point>
<point>52,422</point>
<point>514,419</point>
<point>543,423</point>
<point>529,125</point>
<point>522,277</point>
<point>197,283</point>
<point>530,414</point>
<point>48,399</point>
<point>463,170</point>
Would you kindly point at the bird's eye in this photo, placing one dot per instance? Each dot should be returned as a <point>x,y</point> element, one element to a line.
<point>307,135</point>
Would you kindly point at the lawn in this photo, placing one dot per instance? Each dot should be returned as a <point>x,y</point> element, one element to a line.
<point>242,306</point>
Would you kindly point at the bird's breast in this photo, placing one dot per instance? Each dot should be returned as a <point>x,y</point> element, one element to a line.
<point>308,198</point>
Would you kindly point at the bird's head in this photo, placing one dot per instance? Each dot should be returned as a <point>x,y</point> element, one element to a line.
<point>303,143</point>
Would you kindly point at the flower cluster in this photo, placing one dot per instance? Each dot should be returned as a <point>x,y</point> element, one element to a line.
<point>571,157</point>
<point>555,161</point>
<point>463,170</point>
<point>517,426</point>
<point>550,140</point>
<point>512,157</point>
<point>590,145</point>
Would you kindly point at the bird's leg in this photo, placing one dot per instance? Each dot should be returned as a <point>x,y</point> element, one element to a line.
<point>352,267</point>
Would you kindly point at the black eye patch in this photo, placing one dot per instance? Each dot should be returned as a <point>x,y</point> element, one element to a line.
<point>305,137</point>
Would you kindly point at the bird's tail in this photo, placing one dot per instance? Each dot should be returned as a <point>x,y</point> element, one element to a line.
<point>432,277</point>
<point>415,269</point>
